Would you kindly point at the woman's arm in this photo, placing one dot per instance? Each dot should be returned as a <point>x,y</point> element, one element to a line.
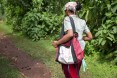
<point>88,36</point>
<point>66,38</point>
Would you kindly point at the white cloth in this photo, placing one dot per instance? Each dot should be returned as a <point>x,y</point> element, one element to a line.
<point>80,26</point>
<point>65,55</point>
<point>70,6</point>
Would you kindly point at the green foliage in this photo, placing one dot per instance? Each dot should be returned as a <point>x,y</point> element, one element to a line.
<point>40,25</point>
<point>107,32</point>
<point>1,9</point>
<point>35,18</point>
<point>99,67</point>
<point>15,11</point>
<point>40,22</point>
<point>90,48</point>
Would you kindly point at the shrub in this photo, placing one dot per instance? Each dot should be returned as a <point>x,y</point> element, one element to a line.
<point>107,33</point>
<point>15,11</point>
<point>40,25</point>
<point>90,48</point>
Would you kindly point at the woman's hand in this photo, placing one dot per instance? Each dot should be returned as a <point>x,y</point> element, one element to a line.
<point>54,43</point>
<point>65,38</point>
<point>88,36</point>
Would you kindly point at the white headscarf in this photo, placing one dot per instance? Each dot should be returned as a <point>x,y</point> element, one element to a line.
<point>70,6</point>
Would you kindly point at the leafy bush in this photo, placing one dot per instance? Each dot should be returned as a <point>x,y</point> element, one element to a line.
<point>90,48</point>
<point>107,36</point>
<point>39,22</point>
<point>107,32</point>
<point>33,17</point>
<point>1,9</point>
<point>15,11</point>
<point>40,25</point>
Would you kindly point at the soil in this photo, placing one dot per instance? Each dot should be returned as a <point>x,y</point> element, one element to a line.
<point>28,67</point>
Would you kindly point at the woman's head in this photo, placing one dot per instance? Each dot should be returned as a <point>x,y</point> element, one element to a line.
<point>72,7</point>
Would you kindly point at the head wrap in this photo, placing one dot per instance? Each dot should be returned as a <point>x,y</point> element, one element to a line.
<point>71,6</point>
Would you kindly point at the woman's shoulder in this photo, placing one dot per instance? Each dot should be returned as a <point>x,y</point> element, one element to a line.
<point>66,18</point>
<point>82,20</point>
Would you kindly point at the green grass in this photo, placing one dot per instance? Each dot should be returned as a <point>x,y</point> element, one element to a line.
<point>43,50</point>
<point>100,68</point>
<point>5,28</point>
<point>6,70</point>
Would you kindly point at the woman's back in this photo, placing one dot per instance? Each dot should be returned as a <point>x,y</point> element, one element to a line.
<point>80,26</point>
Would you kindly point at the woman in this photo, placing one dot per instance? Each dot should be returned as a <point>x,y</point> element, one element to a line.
<point>72,70</point>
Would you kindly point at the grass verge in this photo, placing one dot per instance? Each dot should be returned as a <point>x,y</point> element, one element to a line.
<point>100,68</point>
<point>6,70</point>
<point>5,28</point>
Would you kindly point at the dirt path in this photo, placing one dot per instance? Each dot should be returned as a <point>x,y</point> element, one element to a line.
<point>29,68</point>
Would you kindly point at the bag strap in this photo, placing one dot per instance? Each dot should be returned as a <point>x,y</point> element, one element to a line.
<point>72,24</point>
<point>62,31</point>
